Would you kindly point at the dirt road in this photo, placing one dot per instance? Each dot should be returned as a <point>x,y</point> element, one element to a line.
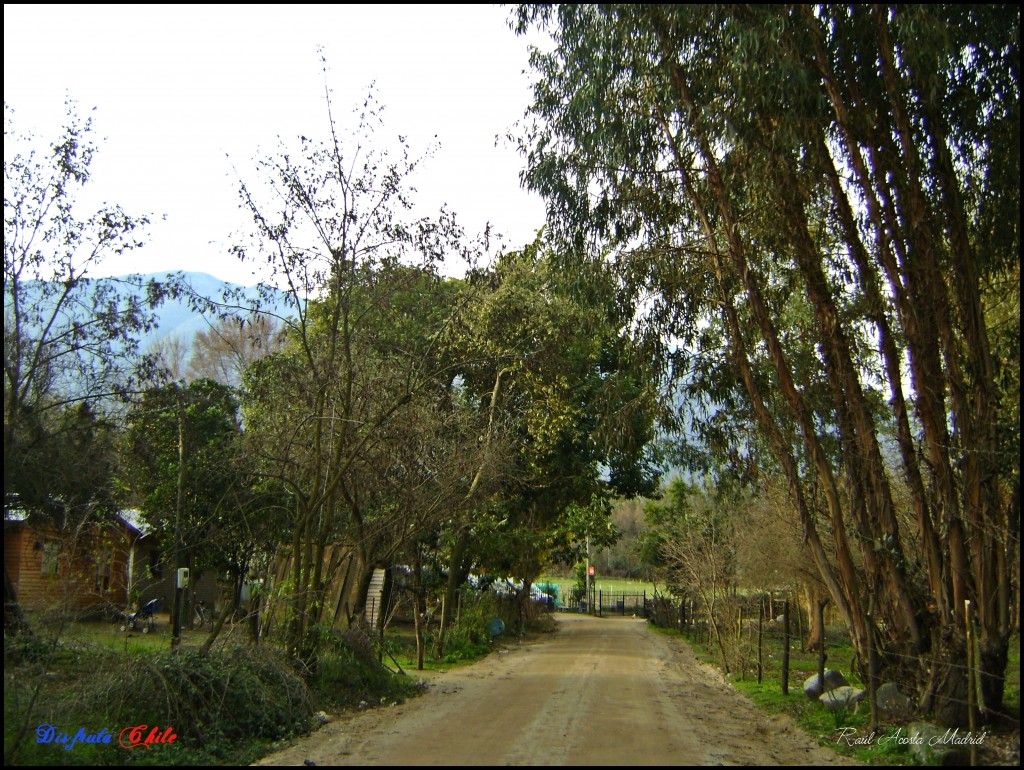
<point>597,692</point>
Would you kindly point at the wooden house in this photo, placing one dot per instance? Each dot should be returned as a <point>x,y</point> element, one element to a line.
<point>85,568</point>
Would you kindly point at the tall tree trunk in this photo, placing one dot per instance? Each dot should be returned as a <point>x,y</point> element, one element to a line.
<point>457,573</point>
<point>811,595</point>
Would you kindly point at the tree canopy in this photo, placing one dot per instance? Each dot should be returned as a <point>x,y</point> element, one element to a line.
<point>68,340</point>
<point>811,207</point>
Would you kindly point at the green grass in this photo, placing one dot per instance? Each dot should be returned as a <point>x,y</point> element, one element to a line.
<point>400,642</point>
<point>837,730</point>
<point>1011,692</point>
<point>607,584</point>
<point>468,639</point>
<point>227,708</point>
<point>830,729</point>
<point>821,724</point>
<point>108,634</point>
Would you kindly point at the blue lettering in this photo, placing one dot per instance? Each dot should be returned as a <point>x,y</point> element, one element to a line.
<point>101,737</point>
<point>47,733</point>
<point>79,736</point>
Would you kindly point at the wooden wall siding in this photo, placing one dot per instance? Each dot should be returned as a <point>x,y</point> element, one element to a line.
<point>53,571</point>
<point>341,578</point>
<point>149,557</point>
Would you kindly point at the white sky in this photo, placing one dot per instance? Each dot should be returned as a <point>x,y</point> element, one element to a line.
<point>187,96</point>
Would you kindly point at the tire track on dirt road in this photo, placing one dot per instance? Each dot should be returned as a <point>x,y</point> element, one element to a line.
<point>597,692</point>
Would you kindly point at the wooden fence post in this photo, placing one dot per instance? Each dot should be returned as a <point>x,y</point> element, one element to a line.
<point>785,647</point>
<point>971,674</point>
<point>872,664</point>
<point>821,649</point>
<point>760,628</point>
<point>800,624</point>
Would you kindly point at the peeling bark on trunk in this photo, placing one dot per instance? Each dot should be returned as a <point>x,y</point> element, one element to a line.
<point>811,596</point>
<point>841,217</point>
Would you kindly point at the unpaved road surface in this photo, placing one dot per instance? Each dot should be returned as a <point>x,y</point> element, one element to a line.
<point>596,692</point>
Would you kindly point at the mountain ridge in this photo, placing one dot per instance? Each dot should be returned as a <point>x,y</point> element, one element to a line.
<point>179,316</point>
<point>180,313</point>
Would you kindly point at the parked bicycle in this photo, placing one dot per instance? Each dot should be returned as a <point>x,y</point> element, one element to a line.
<point>202,615</point>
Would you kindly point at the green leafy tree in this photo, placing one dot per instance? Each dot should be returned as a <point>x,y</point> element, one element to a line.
<point>573,411</point>
<point>692,533</point>
<point>183,466</point>
<point>811,203</point>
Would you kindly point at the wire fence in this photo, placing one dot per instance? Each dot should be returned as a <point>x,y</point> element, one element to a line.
<point>753,638</point>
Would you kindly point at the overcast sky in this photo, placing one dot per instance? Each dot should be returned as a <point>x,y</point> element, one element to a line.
<point>187,96</point>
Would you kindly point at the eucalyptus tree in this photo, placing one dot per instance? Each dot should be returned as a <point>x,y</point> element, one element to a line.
<point>812,203</point>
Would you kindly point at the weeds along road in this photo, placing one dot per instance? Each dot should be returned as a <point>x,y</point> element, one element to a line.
<point>597,692</point>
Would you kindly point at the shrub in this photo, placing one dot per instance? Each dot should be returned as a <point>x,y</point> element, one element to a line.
<point>349,671</point>
<point>221,705</point>
<point>223,697</point>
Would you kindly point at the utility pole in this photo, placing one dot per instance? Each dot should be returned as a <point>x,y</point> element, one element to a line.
<point>589,608</point>
<point>178,591</point>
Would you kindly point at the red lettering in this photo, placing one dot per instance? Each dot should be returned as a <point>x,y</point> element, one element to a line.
<point>134,739</point>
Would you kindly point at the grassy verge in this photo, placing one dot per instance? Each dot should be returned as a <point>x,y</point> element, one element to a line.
<point>608,585</point>
<point>1011,695</point>
<point>76,701</point>
<point>828,728</point>
<point>849,731</point>
<point>72,694</point>
<point>472,637</point>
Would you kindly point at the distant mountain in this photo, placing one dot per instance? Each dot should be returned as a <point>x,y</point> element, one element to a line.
<point>203,300</point>
<point>180,317</point>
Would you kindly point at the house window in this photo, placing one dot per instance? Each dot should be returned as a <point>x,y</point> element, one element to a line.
<point>51,558</point>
